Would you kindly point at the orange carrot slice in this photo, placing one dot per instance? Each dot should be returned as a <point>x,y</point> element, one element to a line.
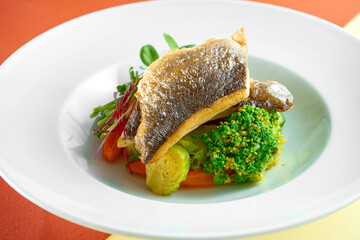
<point>195,178</point>
<point>198,178</point>
<point>110,149</point>
<point>138,167</point>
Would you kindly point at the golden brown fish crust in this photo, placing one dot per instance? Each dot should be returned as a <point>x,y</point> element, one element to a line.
<point>187,87</point>
<point>133,123</point>
<point>127,138</point>
<point>269,95</point>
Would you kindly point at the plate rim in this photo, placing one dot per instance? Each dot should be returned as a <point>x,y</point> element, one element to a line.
<point>48,208</point>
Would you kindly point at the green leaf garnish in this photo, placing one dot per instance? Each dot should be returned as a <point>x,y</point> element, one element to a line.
<point>148,54</point>
<point>107,107</point>
<point>135,76</point>
<point>188,46</point>
<point>170,41</point>
<point>107,110</point>
<point>122,88</point>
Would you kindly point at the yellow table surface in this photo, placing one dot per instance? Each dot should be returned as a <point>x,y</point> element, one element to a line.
<point>341,225</point>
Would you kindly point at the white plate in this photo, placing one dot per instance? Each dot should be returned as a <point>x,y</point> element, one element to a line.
<point>49,86</point>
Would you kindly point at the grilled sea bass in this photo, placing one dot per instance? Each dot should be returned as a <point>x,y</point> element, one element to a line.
<point>264,94</point>
<point>267,94</point>
<point>177,117</point>
<point>186,88</point>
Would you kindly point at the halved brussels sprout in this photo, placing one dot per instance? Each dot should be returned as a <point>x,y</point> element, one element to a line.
<point>165,175</point>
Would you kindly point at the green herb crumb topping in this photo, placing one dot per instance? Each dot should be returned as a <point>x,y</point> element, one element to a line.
<point>244,145</point>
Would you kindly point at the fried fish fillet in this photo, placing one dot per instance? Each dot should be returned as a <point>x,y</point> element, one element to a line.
<point>132,124</point>
<point>268,94</point>
<point>265,94</point>
<point>186,88</point>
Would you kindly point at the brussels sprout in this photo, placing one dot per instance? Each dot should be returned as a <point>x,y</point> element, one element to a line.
<point>165,175</point>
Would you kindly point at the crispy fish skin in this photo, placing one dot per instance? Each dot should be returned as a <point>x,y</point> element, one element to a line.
<point>133,123</point>
<point>127,138</point>
<point>265,94</point>
<point>269,95</point>
<point>187,87</point>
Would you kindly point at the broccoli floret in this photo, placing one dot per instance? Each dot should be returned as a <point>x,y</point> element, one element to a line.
<point>244,145</point>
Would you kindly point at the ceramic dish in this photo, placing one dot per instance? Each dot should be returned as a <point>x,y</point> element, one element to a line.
<point>49,87</point>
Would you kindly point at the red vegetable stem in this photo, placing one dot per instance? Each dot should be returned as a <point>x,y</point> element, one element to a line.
<point>118,108</point>
<point>110,129</point>
<point>127,161</point>
<point>116,114</point>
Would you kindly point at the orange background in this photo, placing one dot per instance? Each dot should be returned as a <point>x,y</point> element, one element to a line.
<point>21,21</point>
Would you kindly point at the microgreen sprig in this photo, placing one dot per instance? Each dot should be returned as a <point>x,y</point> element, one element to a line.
<point>170,41</point>
<point>107,111</point>
<point>148,53</point>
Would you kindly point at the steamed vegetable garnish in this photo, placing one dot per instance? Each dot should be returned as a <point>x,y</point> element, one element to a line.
<point>195,146</point>
<point>194,117</point>
<point>164,176</point>
<point>244,145</point>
